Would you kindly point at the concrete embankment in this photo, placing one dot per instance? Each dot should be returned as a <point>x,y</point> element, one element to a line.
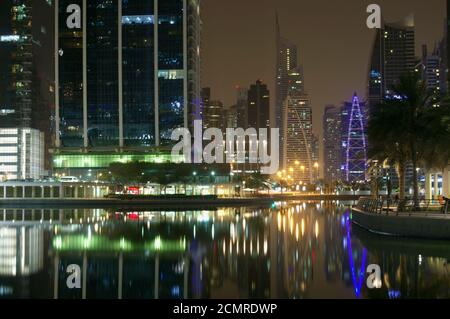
<point>415,225</point>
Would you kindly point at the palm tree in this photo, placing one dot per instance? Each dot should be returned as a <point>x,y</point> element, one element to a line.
<point>410,130</point>
<point>436,138</point>
<point>402,129</point>
<point>257,181</point>
<point>386,139</point>
<point>417,99</point>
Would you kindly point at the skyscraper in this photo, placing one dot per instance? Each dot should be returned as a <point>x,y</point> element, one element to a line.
<point>297,120</point>
<point>393,55</point>
<point>127,75</point>
<point>447,45</point>
<point>212,111</point>
<point>286,61</point>
<point>354,140</point>
<point>258,108</point>
<point>16,51</point>
<point>236,115</point>
<point>26,75</point>
<point>432,70</point>
<point>332,142</point>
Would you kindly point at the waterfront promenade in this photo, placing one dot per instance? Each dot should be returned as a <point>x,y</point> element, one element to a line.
<point>427,222</point>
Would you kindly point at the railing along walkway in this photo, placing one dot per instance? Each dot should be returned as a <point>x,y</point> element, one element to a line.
<point>407,207</point>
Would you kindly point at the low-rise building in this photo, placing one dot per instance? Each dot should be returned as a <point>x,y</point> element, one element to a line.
<point>21,154</point>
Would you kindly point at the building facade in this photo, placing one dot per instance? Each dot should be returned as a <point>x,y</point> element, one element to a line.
<point>286,60</point>
<point>332,143</point>
<point>393,55</point>
<point>237,113</point>
<point>126,72</point>
<point>21,154</point>
<point>297,119</point>
<point>212,111</point>
<point>26,71</point>
<point>16,52</point>
<point>258,107</point>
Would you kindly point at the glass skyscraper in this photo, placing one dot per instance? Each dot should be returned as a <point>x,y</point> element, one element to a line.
<point>393,55</point>
<point>286,61</point>
<point>26,75</point>
<point>297,120</point>
<point>16,70</point>
<point>128,75</point>
<point>332,143</point>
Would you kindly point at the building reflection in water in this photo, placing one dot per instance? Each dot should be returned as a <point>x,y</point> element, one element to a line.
<point>21,257</point>
<point>290,250</point>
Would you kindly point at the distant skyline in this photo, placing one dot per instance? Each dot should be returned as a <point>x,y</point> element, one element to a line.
<point>334,44</point>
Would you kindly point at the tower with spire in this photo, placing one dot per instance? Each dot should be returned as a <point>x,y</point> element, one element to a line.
<point>286,61</point>
<point>354,140</point>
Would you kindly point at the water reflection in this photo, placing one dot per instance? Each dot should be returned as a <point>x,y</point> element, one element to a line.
<point>291,250</point>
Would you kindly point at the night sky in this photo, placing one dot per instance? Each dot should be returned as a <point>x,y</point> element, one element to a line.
<point>332,37</point>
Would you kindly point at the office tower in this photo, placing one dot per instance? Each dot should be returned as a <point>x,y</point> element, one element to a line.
<point>241,107</point>
<point>354,140</point>
<point>286,61</point>
<point>21,153</point>
<point>258,106</point>
<point>432,70</point>
<point>297,119</point>
<point>16,49</point>
<point>205,97</point>
<point>213,115</point>
<point>212,111</point>
<point>26,70</point>
<point>393,55</point>
<point>443,67</point>
<point>446,48</point>
<point>315,156</point>
<point>332,143</point>
<point>236,115</point>
<point>126,81</point>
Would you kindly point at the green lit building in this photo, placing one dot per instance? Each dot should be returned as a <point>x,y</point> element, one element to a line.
<point>89,164</point>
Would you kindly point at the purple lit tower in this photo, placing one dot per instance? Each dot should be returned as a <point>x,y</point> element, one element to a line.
<point>354,140</point>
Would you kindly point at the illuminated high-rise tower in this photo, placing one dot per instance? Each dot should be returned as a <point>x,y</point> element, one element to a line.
<point>393,55</point>
<point>16,53</point>
<point>354,140</point>
<point>286,61</point>
<point>332,143</point>
<point>447,32</point>
<point>26,76</point>
<point>297,119</point>
<point>127,76</point>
